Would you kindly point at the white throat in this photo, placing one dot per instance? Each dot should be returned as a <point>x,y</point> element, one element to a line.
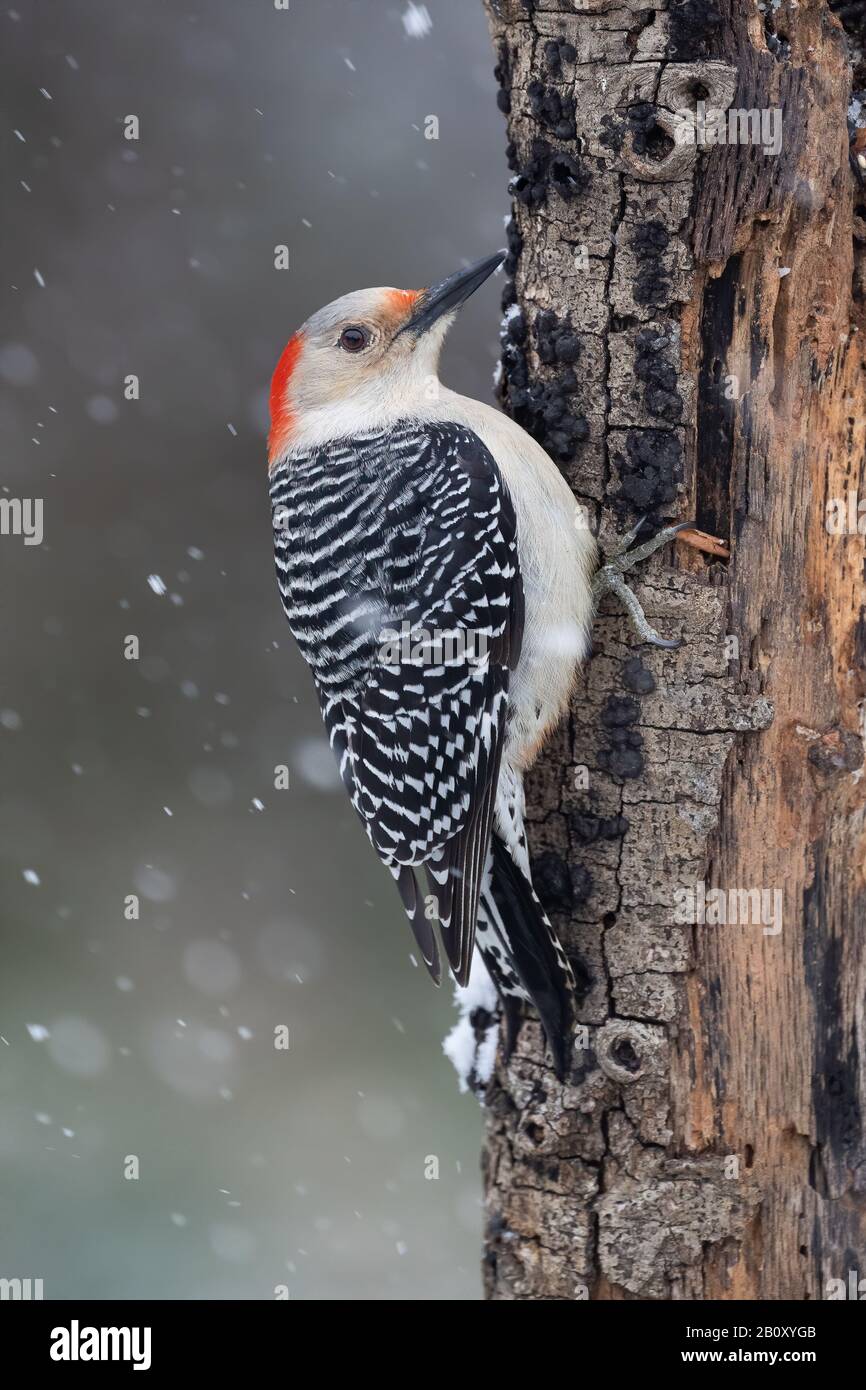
<point>366,412</point>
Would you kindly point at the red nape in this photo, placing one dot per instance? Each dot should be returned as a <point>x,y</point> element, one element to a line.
<point>281,413</point>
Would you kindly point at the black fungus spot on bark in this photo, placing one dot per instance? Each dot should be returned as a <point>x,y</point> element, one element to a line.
<point>613,133</point>
<point>652,286</point>
<point>514,243</point>
<point>642,123</point>
<point>552,109</point>
<point>552,881</point>
<point>623,758</point>
<point>619,711</point>
<point>544,409</point>
<point>650,238</point>
<point>544,412</point>
<point>692,27</point>
<point>555,338</point>
<point>649,242</point>
<point>658,374</point>
<point>637,678</point>
<point>653,467</point>
<point>588,828</point>
<point>502,73</point>
<point>529,185</point>
<point>515,329</point>
<point>568,176</point>
<point>558,51</point>
<point>544,170</point>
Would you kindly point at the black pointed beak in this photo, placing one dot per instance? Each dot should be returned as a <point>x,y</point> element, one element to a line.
<point>450,294</point>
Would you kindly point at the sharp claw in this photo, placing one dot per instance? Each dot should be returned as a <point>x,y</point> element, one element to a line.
<point>627,540</point>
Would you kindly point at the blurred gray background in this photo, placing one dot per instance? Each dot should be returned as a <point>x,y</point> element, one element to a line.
<point>258,907</point>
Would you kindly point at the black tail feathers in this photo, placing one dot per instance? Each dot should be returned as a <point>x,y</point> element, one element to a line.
<point>536,958</point>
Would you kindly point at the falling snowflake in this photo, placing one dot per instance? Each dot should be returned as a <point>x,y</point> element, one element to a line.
<point>416,20</point>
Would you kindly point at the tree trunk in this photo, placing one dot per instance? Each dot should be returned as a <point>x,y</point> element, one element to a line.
<point>682,336</point>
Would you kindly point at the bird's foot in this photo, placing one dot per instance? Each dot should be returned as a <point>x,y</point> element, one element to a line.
<point>609,577</point>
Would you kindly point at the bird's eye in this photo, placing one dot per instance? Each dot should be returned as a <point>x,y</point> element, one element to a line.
<point>354,339</point>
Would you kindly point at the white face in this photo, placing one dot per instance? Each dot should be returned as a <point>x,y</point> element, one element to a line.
<point>357,352</point>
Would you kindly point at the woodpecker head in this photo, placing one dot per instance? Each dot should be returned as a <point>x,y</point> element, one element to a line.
<point>364,359</point>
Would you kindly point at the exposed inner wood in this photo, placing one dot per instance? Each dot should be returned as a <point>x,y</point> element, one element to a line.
<point>711,545</point>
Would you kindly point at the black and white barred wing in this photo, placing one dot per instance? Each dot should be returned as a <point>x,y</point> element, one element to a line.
<point>427,739</point>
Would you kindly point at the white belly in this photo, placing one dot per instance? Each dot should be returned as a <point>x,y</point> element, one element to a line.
<point>557,561</point>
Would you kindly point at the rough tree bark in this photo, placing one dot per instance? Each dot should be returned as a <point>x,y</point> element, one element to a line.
<point>682,335</point>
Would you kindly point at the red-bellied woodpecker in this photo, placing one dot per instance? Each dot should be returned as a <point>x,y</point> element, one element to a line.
<point>440,583</point>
